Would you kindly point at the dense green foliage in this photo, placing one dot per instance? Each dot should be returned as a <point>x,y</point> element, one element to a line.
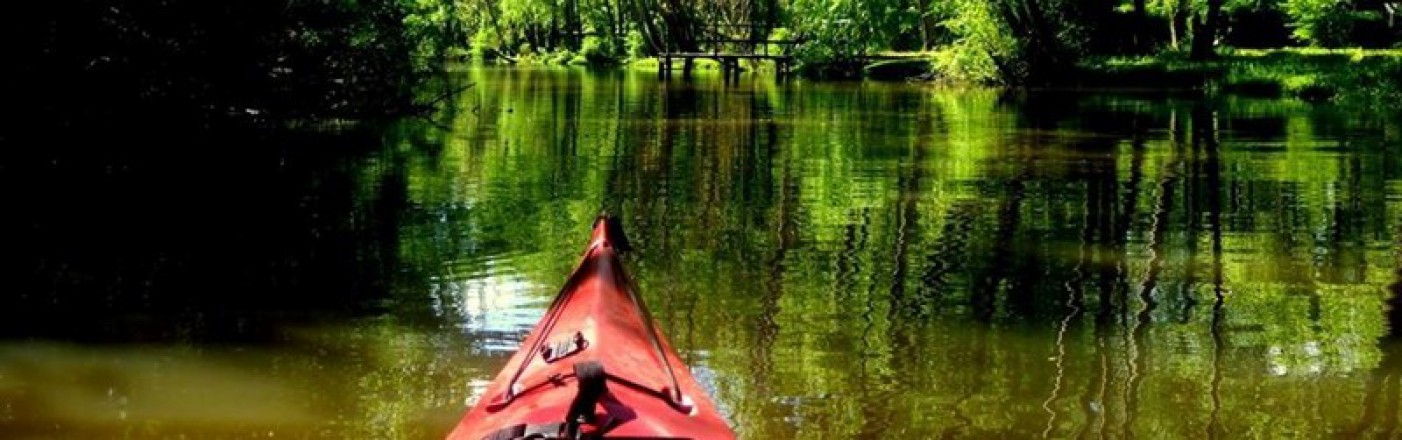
<point>339,58</point>
<point>352,59</point>
<point>1002,40</point>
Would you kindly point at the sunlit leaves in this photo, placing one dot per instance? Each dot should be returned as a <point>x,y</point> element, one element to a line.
<point>1319,22</point>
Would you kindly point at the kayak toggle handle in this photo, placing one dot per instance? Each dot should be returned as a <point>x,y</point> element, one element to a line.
<point>564,347</point>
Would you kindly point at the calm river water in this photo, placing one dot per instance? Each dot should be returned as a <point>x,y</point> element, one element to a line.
<point>834,260</point>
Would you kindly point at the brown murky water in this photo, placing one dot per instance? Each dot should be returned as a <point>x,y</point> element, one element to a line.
<point>834,261</point>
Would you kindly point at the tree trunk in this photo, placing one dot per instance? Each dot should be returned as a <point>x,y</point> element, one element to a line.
<point>1040,56</point>
<point>642,13</point>
<point>573,27</point>
<point>1141,21</point>
<point>617,25</point>
<point>1178,24</point>
<point>679,25</point>
<point>1206,32</point>
<point>923,7</point>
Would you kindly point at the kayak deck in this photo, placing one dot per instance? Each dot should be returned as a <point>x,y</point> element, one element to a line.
<point>595,366</point>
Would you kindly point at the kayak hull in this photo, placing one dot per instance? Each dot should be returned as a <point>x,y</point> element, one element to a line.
<point>597,319</point>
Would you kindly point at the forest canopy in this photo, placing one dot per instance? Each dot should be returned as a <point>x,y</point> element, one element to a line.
<point>1007,39</point>
<point>352,58</point>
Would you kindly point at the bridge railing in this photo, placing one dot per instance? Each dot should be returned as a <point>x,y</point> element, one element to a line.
<point>717,36</point>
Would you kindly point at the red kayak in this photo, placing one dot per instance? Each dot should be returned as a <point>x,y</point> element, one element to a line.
<point>595,367</point>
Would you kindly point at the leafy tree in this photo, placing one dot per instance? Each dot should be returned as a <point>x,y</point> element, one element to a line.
<point>1320,22</point>
<point>336,58</point>
<point>1205,27</point>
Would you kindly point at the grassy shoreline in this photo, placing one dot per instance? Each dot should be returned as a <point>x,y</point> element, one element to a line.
<point>1316,75</point>
<point>1358,76</point>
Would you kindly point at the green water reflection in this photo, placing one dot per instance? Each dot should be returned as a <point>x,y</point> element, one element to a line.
<point>836,261</point>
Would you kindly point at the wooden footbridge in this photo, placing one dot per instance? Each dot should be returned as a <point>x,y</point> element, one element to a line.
<point>729,45</point>
<point>723,44</point>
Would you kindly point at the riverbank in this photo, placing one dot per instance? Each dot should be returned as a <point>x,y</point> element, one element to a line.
<point>1315,75</point>
<point>1370,77</point>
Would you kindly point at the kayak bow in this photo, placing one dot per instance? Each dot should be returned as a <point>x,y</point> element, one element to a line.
<point>595,366</point>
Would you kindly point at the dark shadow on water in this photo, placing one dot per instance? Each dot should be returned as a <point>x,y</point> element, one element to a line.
<point>141,232</point>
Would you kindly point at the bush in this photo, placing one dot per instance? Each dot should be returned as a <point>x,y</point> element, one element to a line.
<point>635,44</point>
<point>457,53</point>
<point>965,63</point>
<point>1326,23</point>
<point>484,44</point>
<point>560,57</point>
<point>596,51</point>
